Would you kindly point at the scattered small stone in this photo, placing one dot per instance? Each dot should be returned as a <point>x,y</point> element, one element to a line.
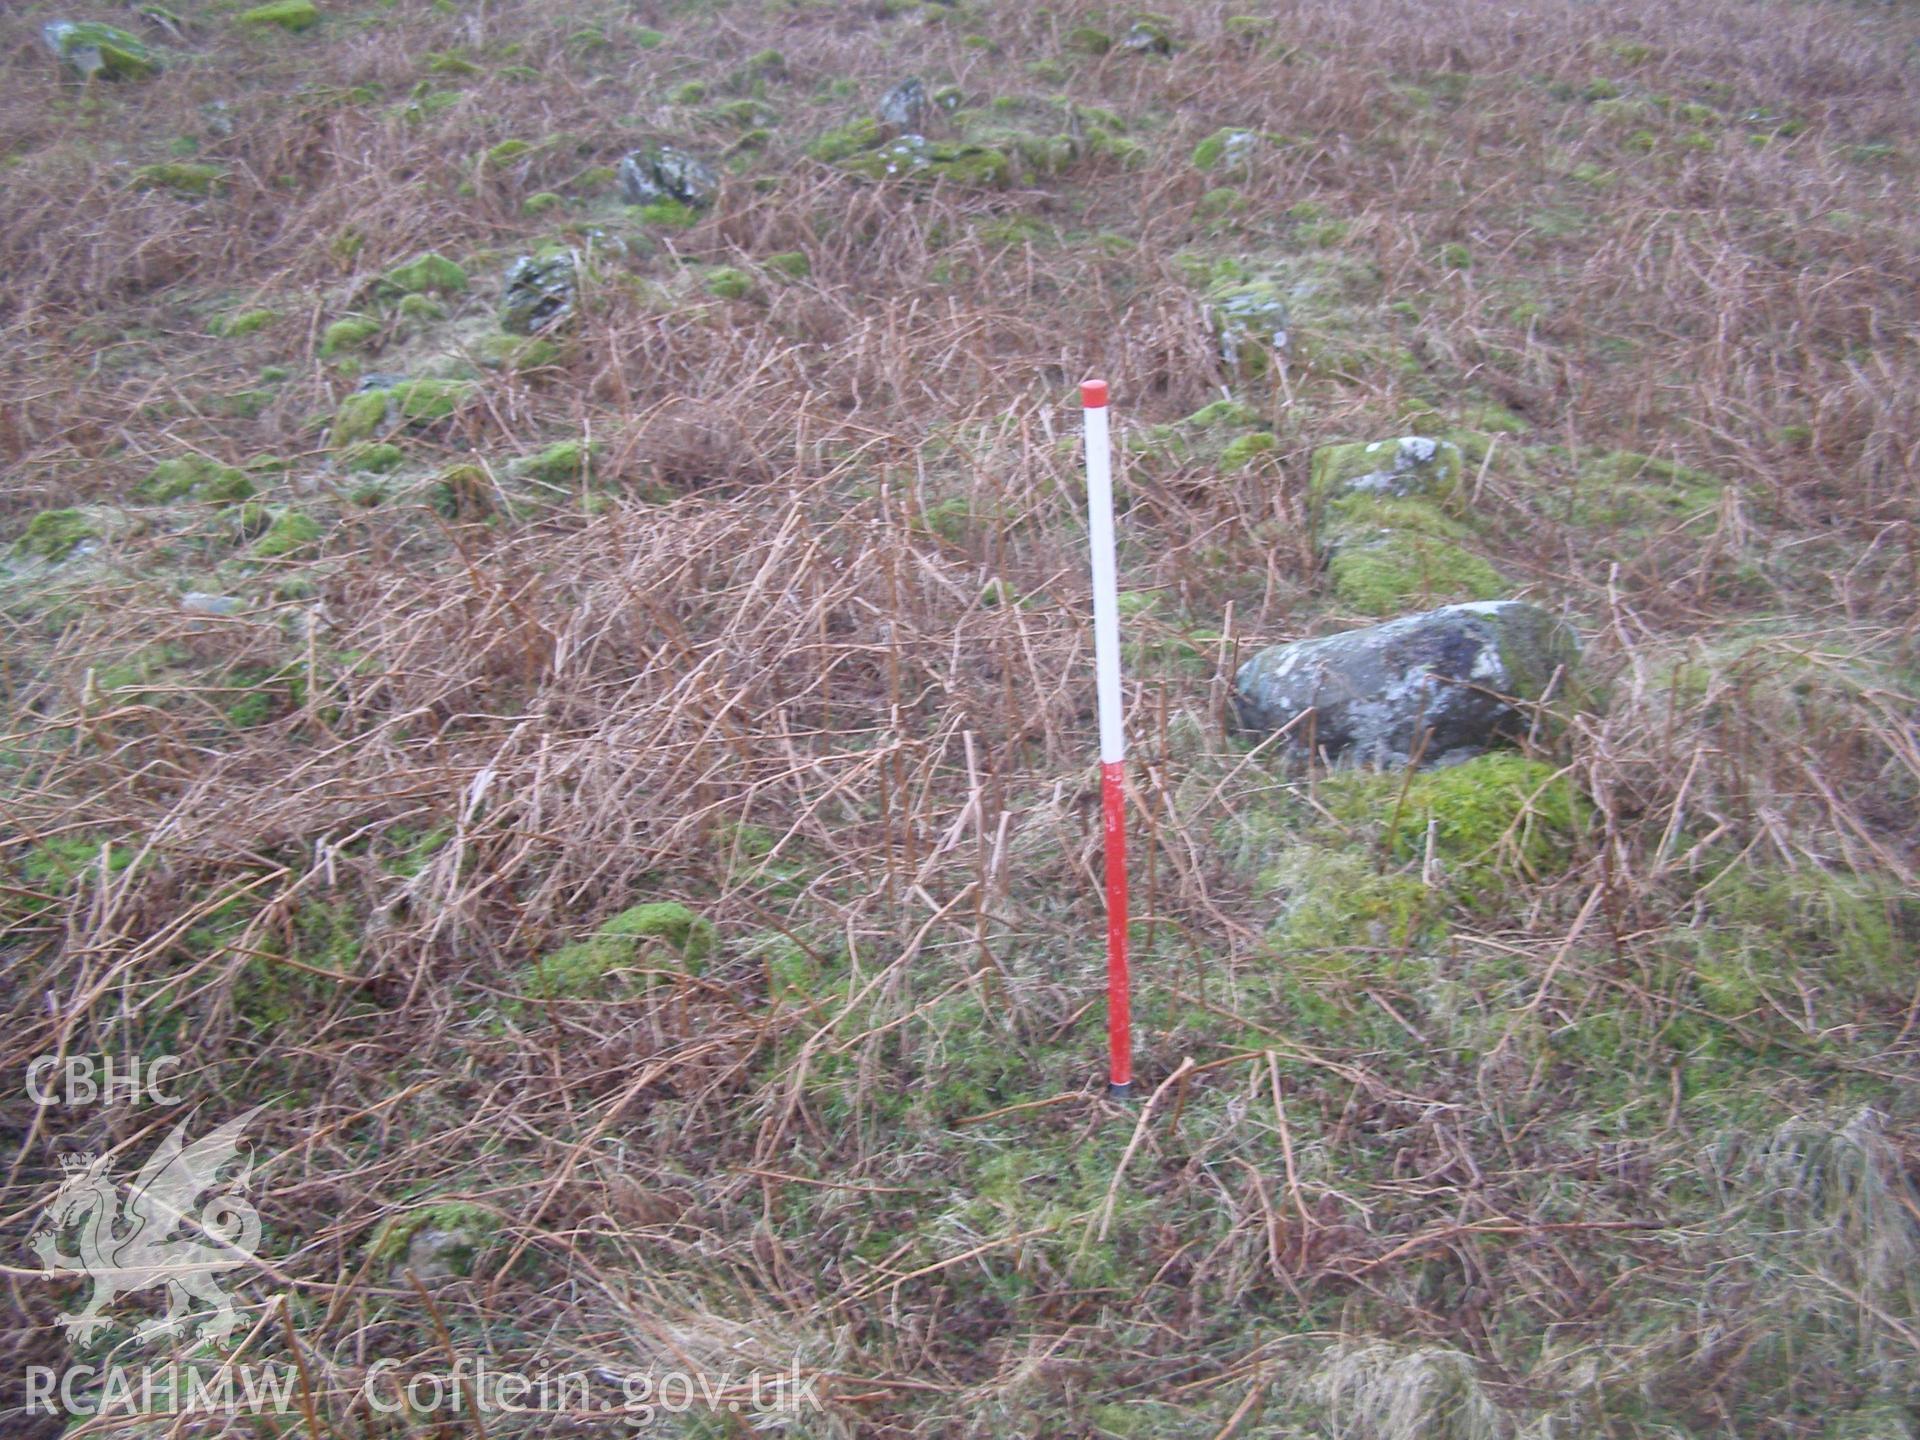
<point>540,294</point>
<point>906,106</point>
<point>1436,684</point>
<point>664,172</point>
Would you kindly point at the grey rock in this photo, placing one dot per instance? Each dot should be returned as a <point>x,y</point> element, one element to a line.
<point>664,172</point>
<point>198,602</point>
<point>540,294</point>
<point>379,380</point>
<point>1444,674</point>
<point>906,107</point>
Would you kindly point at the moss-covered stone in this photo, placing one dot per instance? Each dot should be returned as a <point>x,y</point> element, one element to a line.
<point>667,214</point>
<point>849,140</point>
<point>378,458</point>
<point>193,477</point>
<point>1635,492</point>
<point>182,177</point>
<point>790,263</point>
<point>243,323</point>
<point>1394,570</point>
<point>728,283</point>
<point>89,49</point>
<point>1250,318</point>
<point>1243,450</point>
<point>1150,36</point>
<point>425,274</point>
<point>1235,413</point>
<point>691,934</point>
<point>294,15</point>
<point>1229,149</point>
<point>1411,466</point>
<point>53,534</point>
<point>420,309</point>
<point>360,416</point>
<point>1337,900</point>
<point>1496,816</point>
<point>436,1241</point>
<point>351,333</point>
<point>428,399</point>
<point>914,157</point>
<point>587,968</point>
<point>562,463</point>
<point>290,531</point>
<point>1382,514</point>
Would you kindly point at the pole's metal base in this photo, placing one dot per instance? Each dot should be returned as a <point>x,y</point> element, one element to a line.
<point>1120,1092</point>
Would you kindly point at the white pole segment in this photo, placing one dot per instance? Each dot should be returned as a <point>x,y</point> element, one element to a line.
<point>1106,600</point>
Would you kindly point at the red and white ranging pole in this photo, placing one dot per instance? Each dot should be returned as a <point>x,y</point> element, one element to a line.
<point>1113,739</point>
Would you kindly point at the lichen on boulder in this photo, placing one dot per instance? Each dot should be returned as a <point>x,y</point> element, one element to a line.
<point>1441,685</point>
<point>666,172</point>
<point>1414,465</point>
<point>541,291</point>
<point>906,106</point>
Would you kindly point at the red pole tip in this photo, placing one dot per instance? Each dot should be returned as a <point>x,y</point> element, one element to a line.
<point>1093,394</point>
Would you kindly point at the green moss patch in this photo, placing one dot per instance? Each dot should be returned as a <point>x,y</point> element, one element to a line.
<point>1394,571</point>
<point>289,532</point>
<point>181,177</point>
<point>53,534</point>
<point>589,968</point>
<point>193,477</point>
<point>294,15</point>
<point>562,463</point>
<point>1635,492</point>
<point>425,274</point>
<point>352,333</point>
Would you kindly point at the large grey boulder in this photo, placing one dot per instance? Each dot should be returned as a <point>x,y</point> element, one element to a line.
<point>540,292</point>
<point>906,107</point>
<point>1446,674</point>
<point>664,172</point>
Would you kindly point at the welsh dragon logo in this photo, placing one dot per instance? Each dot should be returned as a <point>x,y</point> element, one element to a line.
<point>157,1232</point>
